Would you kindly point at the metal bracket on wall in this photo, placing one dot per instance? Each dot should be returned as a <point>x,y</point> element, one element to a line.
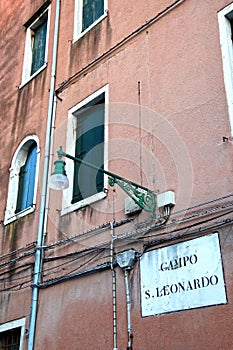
<point>143,197</point>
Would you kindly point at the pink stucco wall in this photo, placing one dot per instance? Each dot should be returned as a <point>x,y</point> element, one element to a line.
<point>167,119</point>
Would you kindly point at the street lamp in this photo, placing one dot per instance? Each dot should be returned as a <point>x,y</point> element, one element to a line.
<point>142,196</point>
<point>59,179</point>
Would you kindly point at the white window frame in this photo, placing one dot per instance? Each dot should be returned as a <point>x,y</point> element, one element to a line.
<point>15,324</point>
<point>227,56</point>
<point>72,123</point>
<point>78,12</point>
<point>18,160</point>
<point>26,73</point>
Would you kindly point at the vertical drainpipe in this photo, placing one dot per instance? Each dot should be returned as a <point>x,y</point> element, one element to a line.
<point>126,261</point>
<point>128,307</point>
<point>113,288</point>
<point>44,188</point>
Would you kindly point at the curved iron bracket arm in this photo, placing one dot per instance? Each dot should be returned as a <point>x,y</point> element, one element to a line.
<point>142,196</point>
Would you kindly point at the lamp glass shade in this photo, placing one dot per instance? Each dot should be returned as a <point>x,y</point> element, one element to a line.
<point>59,182</point>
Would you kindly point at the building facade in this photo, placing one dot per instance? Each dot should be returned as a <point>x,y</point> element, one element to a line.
<point>136,253</point>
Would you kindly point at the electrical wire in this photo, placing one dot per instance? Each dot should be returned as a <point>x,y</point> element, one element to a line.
<point>107,265</point>
<point>136,236</point>
<point>72,239</point>
<point>188,235</point>
<point>174,221</point>
<point>16,287</point>
<point>13,261</point>
<point>144,224</point>
<point>169,233</point>
<point>79,252</point>
<point>19,285</point>
<point>51,269</point>
<point>130,235</point>
<point>13,252</point>
<point>202,204</point>
<point>77,268</point>
<point>148,245</point>
<point>101,228</point>
<point>14,271</point>
<point>97,268</point>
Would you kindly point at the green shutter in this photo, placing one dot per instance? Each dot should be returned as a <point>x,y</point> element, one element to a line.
<point>27,181</point>
<point>31,164</point>
<point>90,147</point>
<point>21,199</point>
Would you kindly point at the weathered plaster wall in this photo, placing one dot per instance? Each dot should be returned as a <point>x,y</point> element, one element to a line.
<point>167,119</point>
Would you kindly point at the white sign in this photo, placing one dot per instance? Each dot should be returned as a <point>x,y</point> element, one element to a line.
<point>182,276</point>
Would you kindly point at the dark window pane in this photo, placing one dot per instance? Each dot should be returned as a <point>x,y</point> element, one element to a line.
<point>10,340</point>
<point>39,45</point>
<point>90,147</point>
<point>92,10</point>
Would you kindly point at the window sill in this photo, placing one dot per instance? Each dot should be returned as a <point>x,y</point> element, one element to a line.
<point>83,203</point>
<point>20,214</point>
<point>79,35</point>
<point>26,81</point>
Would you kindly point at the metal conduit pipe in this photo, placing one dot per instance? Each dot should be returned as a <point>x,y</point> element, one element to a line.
<point>44,188</point>
<point>128,306</point>
<point>126,261</point>
<point>113,288</point>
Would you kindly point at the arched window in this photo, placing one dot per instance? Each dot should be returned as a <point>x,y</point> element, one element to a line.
<point>23,180</point>
<point>27,180</point>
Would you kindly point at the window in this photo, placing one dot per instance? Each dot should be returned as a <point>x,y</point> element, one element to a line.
<point>90,147</point>
<point>10,340</point>
<point>39,34</point>
<point>11,335</point>
<point>35,54</point>
<point>86,139</point>
<point>23,180</point>
<point>87,14</point>
<point>92,11</point>
<point>225,18</point>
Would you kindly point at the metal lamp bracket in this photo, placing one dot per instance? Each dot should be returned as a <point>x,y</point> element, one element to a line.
<point>144,198</point>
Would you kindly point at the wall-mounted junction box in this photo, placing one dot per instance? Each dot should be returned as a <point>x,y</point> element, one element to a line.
<point>131,207</point>
<point>166,199</point>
